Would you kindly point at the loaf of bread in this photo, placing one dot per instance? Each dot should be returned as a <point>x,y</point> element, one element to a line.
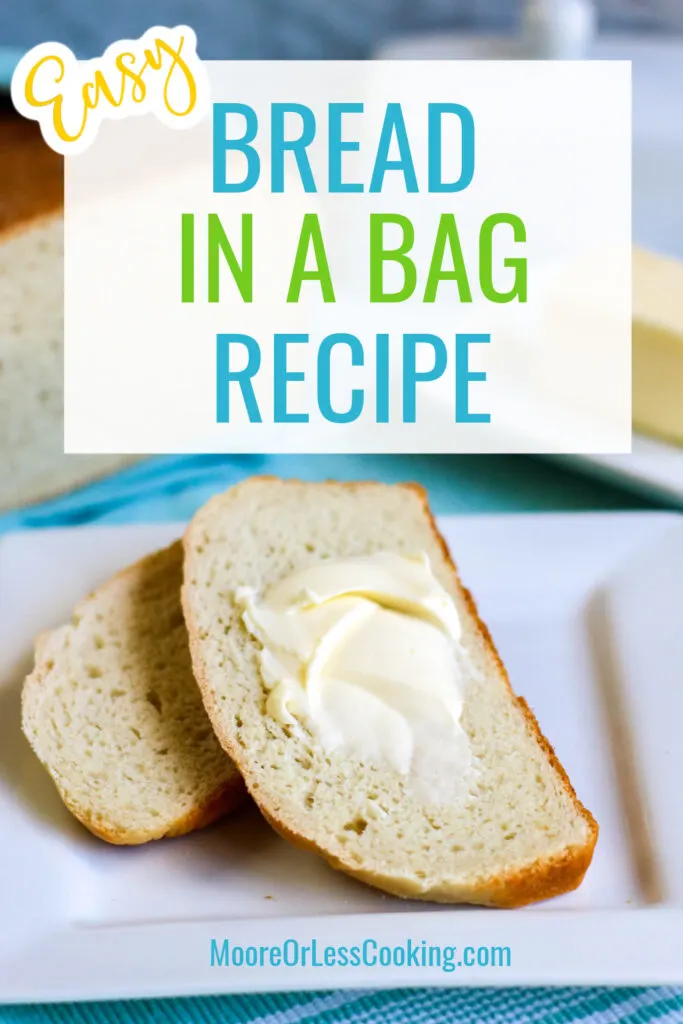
<point>113,712</point>
<point>658,346</point>
<point>33,465</point>
<point>518,833</point>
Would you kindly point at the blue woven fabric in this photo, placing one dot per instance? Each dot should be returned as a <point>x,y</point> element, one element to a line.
<point>417,1006</point>
<point>171,489</point>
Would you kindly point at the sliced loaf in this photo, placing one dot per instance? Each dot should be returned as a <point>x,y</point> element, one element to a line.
<point>518,833</point>
<point>33,465</point>
<point>113,712</point>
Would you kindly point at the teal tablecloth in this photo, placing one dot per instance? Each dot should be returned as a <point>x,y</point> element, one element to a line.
<point>171,489</point>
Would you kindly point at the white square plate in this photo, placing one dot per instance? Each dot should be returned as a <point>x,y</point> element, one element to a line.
<point>586,611</point>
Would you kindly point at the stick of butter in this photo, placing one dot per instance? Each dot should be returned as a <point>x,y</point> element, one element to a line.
<point>658,345</point>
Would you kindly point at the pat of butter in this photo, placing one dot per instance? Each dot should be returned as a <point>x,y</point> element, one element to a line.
<point>658,345</point>
<point>367,652</point>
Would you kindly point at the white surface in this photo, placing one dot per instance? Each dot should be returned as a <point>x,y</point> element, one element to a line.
<point>586,612</point>
<point>653,467</point>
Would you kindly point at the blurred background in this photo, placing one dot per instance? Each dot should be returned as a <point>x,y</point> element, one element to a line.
<point>295,29</point>
<point>33,469</point>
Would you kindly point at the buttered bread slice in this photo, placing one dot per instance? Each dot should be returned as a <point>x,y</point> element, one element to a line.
<point>113,712</point>
<point>346,672</point>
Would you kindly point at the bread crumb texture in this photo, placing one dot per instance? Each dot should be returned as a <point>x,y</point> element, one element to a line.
<point>32,460</point>
<point>113,711</point>
<point>518,834</point>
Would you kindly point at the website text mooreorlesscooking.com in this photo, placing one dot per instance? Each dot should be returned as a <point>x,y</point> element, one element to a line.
<point>367,953</point>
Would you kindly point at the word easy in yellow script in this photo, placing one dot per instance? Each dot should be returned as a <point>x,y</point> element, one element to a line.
<point>158,73</point>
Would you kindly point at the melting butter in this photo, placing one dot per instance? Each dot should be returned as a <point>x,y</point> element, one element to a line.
<point>367,651</point>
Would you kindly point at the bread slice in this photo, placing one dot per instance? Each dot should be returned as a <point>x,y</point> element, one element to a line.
<point>33,465</point>
<point>517,835</point>
<point>113,712</point>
